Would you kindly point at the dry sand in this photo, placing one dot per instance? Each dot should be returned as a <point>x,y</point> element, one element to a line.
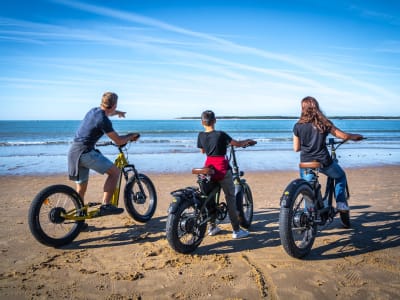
<point>118,258</point>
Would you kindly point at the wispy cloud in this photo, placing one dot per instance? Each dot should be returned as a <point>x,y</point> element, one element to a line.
<point>168,65</point>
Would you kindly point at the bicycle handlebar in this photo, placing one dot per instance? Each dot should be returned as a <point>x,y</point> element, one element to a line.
<point>338,142</point>
<point>109,143</point>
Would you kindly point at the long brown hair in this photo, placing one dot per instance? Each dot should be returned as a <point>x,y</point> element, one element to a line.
<point>310,113</point>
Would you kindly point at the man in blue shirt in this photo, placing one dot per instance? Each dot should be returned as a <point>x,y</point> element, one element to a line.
<point>83,157</point>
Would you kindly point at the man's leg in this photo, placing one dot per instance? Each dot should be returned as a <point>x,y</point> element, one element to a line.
<point>110,183</point>
<point>81,189</point>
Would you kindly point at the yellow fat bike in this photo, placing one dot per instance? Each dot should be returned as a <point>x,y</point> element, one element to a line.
<point>57,213</point>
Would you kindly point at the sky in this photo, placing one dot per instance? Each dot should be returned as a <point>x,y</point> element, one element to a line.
<point>170,59</point>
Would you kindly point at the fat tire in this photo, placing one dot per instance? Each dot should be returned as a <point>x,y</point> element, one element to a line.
<point>244,201</point>
<point>54,197</point>
<point>173,229</point>
<point>345,219</point>
<point>286,223</point>
<point>345,216</point>
<point>150,198</point>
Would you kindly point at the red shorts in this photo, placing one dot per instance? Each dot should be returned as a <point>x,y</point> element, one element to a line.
<point>220,165</point>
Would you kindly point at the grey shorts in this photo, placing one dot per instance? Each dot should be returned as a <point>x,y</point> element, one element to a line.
<point>92,160</point>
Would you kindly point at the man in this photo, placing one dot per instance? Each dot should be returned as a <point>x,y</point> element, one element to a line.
<point>83,157</point>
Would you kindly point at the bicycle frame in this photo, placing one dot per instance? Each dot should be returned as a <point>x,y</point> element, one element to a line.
<point>215,194</point>
<point>122,163</point>
<point>330,182</point>
<point>235,168</point>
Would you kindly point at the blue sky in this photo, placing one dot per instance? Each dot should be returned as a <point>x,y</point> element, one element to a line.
<point>167,59</point>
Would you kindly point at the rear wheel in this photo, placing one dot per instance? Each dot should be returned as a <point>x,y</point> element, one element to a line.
<point>184,231</point>
<point>140,203</point>
<point>47,215</point>
<point>296,230</point>
<point>244,202</point>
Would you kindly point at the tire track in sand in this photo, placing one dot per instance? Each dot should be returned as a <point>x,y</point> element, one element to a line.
<point>260,279</point>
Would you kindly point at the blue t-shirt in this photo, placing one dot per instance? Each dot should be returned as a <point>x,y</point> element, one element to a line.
<point>93,127</point>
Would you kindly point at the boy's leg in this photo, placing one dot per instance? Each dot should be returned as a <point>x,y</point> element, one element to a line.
<point>229,190</point>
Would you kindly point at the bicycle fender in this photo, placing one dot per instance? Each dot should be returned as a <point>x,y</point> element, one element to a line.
<point>286,197</point>
<point>180,196</point>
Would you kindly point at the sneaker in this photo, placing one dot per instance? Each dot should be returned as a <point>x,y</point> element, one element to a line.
<point>240,234</point>
<point>342,206</point>
<point>213,230</point>
<point>108,209</point>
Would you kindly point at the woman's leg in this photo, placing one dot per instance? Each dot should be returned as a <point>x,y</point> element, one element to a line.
<point>337,173</point>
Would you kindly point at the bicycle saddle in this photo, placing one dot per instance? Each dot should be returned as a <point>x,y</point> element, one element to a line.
<point>203,171</point>
<point>310,165</point>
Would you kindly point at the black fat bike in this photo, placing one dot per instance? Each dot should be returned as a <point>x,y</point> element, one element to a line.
<point>302,208</point>
<point>193,207</point>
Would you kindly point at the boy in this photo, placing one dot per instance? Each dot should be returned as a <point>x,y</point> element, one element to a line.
<point>214,144</point>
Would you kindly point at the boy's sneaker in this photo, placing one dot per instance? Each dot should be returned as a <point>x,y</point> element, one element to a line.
<point>342,206</point>
<point>213,230</point>
<point>108,209</point>
<point>240,234</point>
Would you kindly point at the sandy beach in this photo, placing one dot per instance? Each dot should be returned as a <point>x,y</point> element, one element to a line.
<point>118,258</point>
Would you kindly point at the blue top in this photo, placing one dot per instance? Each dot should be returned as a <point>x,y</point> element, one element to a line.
<point>91,129</point>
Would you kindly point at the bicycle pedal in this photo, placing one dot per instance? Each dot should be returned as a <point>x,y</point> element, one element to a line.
<point>90,204</point>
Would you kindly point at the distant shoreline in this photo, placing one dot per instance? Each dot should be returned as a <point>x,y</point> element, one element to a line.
<point>295,118</point>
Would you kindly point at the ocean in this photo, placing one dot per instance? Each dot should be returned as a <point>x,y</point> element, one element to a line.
<point>168,146</point>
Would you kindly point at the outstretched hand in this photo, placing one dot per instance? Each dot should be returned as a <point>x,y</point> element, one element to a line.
<point>357,137</point>
<point>120,114</point>
<point>249,142</point>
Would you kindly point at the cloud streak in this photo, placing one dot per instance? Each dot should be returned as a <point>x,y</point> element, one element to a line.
<point>226,45</point>
<point>169,65</point>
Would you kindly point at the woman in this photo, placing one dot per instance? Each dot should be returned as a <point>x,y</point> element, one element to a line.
<point>309,138</point>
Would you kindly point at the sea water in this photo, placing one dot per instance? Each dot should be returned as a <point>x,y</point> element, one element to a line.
<point>41,147</point>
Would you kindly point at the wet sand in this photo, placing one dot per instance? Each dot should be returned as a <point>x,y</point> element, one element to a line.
<point>118,258</point>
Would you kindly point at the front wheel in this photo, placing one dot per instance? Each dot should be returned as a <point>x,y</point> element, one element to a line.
<point>296,229</point>
<point>48,215</point>
<point>184,230</point>
<point>140,198</point>
<point>345,219</point>
<point>244,204</point>
<point>345,216</point>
